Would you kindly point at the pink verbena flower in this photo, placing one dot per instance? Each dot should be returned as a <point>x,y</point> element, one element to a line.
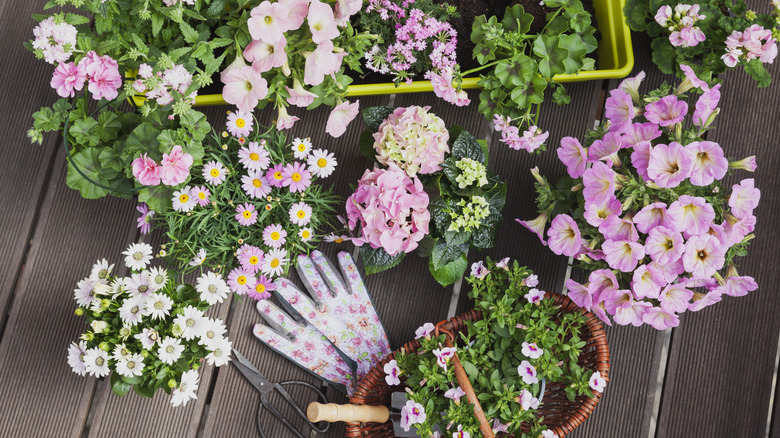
<point>564,236</point>
<point>146,171</point>
<point>340,117</point>
<point>622,255</point>
<point>664,245</point>
<point>68,78</point>
<point>691,214</point>
<point>666,111</point>
<point>619,110</point>
<point>244,87</point>
<point>669,164</point>
<point>413,139</point>
<point>573,156</point>
<point>708,164</point>
<point>296,176</point>
<point>175,166</point>
<point>744,198</point>
<point>704,255</point>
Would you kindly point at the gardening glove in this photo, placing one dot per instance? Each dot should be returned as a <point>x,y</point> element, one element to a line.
<point>339,307</point>
<point>304,345</point>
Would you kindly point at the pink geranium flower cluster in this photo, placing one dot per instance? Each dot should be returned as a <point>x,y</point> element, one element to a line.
<point>653,252</point>
<point>101,73</point>
<point>754,43</point>
<point>172,170</point>
<point>54,40</point>
<point>413,139</point>
<point>680,22</point>
<point>160,85</point>
<point>532,139</point>
<point>391,209</point>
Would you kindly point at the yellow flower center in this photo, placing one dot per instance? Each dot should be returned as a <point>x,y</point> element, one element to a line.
<point>268,19</point>
<point>184,198</point>
<point>275,235</point>
<point>241,280</point>
<point>254,157</point>
<point>247,214</point>
<point>253,260</point>
<point>301,214</point>
<point>202,195</point>
<point>240,123</point>
<point>296,176</point>
<point>339,239</point>
<point>301,147</point>
<point>305,234</point>
<point>214,173</point>
<point>277,175</point>
<point>322,162</point>
<point>275,263</point>
<point>257,183</point>
<point>268,207</point>
<point>260,288</point>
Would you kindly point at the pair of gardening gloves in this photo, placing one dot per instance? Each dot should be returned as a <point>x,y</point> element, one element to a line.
<point>334,331</point>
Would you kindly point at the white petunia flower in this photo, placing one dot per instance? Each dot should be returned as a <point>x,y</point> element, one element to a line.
<point>158,306</point>
<point>213,332</point>
<point>120,353</point>
<point>191,323</point>
<point>301,148</point>
<point>96,362</point>
<point>133,309</point>
<point>76,354</point>
<point>186,389</point>
<point>596,382</point>
<point>321,163</point>
<point>220,355</point>
<point>170,350</point>
<point>131,366</point>
<point>148,338</point>
<point>158,278</point>
<point>139,284</point>
<point>212,288</point>
<point>101,270</point>
<point>137,256</point>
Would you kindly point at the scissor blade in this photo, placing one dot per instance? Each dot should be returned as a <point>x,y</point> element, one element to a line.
<point>255,377</point>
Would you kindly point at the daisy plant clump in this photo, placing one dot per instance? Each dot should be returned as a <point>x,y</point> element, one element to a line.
<point>522,341</point>
<point>646,210</point>
<point>252,207</point>
<point>709,36</point>
<point>146,330</point>
<point>436,194</point>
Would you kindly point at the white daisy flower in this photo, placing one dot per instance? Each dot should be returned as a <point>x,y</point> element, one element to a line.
<point>321,163</point>
<point>191,323</point>
<point>103,288</point>
<point>138,284</point>
<point>84,294</point>
<point>306,234</point>
<point>131,366</point>
<point>186,390</point>
<point>213,332</point>
<point>96,362</point>
<point>120,353</point>
<point>301,148</point>
<point>158,278</point>
<point>199,258</point>
<point>300,213</point>
<point>334,238</point>
<point>170,350</point>
<point>220,354</point>
<point>138,255</point>
<point>212,288</point>
<point>148,338</point>
<point>76,353</point>
<point>132,310</point>
<point>101,270</point>
<point>183,201</point>
<point>118,286</point>
<point>214,173</point>
<point>158,306</point>
<point>274,261</point>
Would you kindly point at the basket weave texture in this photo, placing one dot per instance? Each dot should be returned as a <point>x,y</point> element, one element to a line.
<point>560,415</point>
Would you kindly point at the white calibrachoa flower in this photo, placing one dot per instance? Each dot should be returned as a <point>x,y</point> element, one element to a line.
<point>301,148</point>
<point>101,270</point>
<point>133,309</point>
<point>212,288</point>
<point>137,256</point>
<point>158,306</point>
<point>321,163</point>
<point>186,389</point>
<point>191,322</point>
<point>76,353</point>
<point>96,362</point>
<point>170,350</point>
<point>213,332</point>
<point>596,382</point>
<point>220,355</point>
<point>130,366</point>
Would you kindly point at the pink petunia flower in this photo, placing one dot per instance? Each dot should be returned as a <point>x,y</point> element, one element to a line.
<point>701,301</point>
<point>644,284</point>
<point>601,281</point>
<point>572,154</point>
<point>675,298</point>
<point>631,85</point>
<point>744,198</point>
<point>691,214</point>
<point>579,294</point>
<point>68,78</point>
<point>605,149</point>
<point>617,228</point>
<point>340,117</point>
<point>246,214</point>
<point>391,373</point>
<point>244,88</point>
<point>321,22</point>
<point>534,295</point>
<point>632,313</point>
<point>527,372</point>
<point>531,350</point>
<point>345,9</point>
<point>664,245</point>
<point>285,120</point>
<point>651,216</point>
<point>146,171</point>
<point>240,281</point>
<point>706,105</point>
<point>564,236</point>
<point>666,111</point>
<point>601,209</point>
<point>299,96</point>
<point>268,22</point>
<point>639,132</point>
<point>536,226</point>
<point>296,176</point>
<point>274,235</point>
<point>704,255</point>
<point>599,181</point>
<point>738,228</point>
<point>320,63</point>
<point>619,110</point>
<point>747,163</point>
<point>694,80</point>
<point>708,164</point>
<point>660,319</point>
<point>296,12</point>
<point>622,255</point>
<point>736,285</point>
<point>669,164</point>
<point>266,55</point>
<point>251,259</point>
<point>255,185</point>
<point>640,158</point>
<point>175,166</point>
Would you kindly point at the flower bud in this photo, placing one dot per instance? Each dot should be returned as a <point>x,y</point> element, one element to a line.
<point>104,346</point>
<point>711,118</point>
<point>196,365</point>
<point>748,164</point>
<point>538,177</point>
<point>144,353</point>
<point>172,383</point>
<point>99,326</point>
<point>79,311</point>
<point>88,336</point>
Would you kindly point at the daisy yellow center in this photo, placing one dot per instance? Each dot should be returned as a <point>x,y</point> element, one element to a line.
<point>339,239</point>
<point>241,280</point>
<point>159,305</point>
<point>247,214</point>
<point>202,195</point>
<point>275,235</point>
<point>277,175</point>
<point>274,263</point>
<point>184,198</point>
<point>253,260</point>
<point>305,234</point>
<point>257,183</point>
<point>254,157</point>
<point>322,162</point>
<point>301,214</point>
<point>260,288</point>
<point>240,123</point>
<point>301,147</point>
<point>268,207</point>
<point>214,173</point>
<point>296,177</point>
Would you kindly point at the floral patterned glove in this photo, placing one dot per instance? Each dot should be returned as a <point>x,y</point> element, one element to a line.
<point>341,310</point>
<point>304,345</point>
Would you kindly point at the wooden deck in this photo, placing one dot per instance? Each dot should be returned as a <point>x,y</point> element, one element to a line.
<point>713,376</point>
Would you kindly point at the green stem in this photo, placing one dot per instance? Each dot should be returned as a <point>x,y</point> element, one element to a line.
<point>551,19</point>
<point>482,67</point>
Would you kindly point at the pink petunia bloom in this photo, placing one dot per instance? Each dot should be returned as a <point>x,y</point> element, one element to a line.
<point>254,156</point>
<point>246,214</point>
<point>619,110</point>
<point>391,373</point>
<point>644,284</point>
<point>296,176</point>
<point>274,175</point>
<point>601,209</point>
<point>639,132</point>
<point>744,198</point>
<point>701,301</point>
<point>320,63</point>
<point>251,259</point>
<point>664,245</point>
<point>640,158</point>
<point>704,255</point>
<point>632,313</point>
<point>601,281</point>
<point>240,281</point>
<point>296,12</point>
<point>691,214</point>
<point>146,171</point>
<point>266,55</point>
<point>527,372</point>
<point>631,85</point>
<point>244,88</point>
<point>443,356</point>
<point>669,164</point>
<point>601,313</point>
<point>667,111</point>
<point>738,228</point>
<point>237,63</point>
<point>340,118</point>
<point>708,164</point>
<point>579,294</point>
<point>651,216</point>
<point>531,350</point>
<point>599,181</point>
<point>605,149</point>
<point>274,235</point>
<point>694,80</point>
<point>299,96</point>
<point>675,298</point>
<point>660,319</point>
<point>345,9</point>
<point>622,255</point>
<point>536,226</point>
<point>321,22</point>
<point>268,22</point>
<point>738,286</point>
<point>255,185</point>
<point>175,166</point>
<point>564,236</point>
<point>285,120</point>
<point>534,295</point>
<point>617,228</point>
<point>572,154</point>
<point>614,298</point>
<point>68,78</point>
<point>706,105</point>
<point>668,273</point>
<point>145,220</point>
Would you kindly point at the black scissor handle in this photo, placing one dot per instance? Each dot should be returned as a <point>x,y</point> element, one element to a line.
<point>264,402</point>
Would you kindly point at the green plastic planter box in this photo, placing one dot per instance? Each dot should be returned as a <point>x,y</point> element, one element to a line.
<point>615,59</point>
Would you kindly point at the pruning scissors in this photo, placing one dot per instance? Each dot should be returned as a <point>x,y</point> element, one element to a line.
<point>262,384</point>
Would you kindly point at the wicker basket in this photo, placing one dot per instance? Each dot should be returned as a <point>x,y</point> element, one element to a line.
<point>560,415</point>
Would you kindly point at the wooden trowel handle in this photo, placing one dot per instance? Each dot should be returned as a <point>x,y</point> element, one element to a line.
<point>333,412</point>
<point>465,385</point>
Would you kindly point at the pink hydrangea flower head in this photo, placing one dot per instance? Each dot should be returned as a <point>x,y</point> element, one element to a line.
<point>340,117</point>
<point>285,120</point>
<point>664,245</point>
<point>572,154</point>
<point>669,164</point>
<point>618,228</point>
<point>706,106</point>
<point>320,63</point>
<point>691,214</point>
<point>667,111</point>
<point>268,22</point>
<point>622,255</point>
<point>146,171</point>
<point>644,284</point>
<point>640,159</point>
<point>744,198</point>
<point>599,182</point>
<point>639,132</point>
<point>527,372</point>
<point>299,96</point>
<point>244,87</point>
<point>413,139</point>
<point>619,110</point>
<point>605,149</point>
<point>564,236</point>
<point>708,164</point>
<point>660,319</point>
<point>704,255</point>
<point>68,78</point>
<point>322,23</point>
<point>631,85</point>
<point>246,214</point>
<point>175,166</point>
<point>296,176</point>
<point>531,350</point>
<point>391,373</point>
<point>536,226</point>
<point>266,55</point>
<point>579,294</point>
<point>675,298</point>
<point>601,209</point>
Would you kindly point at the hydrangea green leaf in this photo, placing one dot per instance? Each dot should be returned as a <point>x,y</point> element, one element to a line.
<point>451,272</point>
<point>378,260</point>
